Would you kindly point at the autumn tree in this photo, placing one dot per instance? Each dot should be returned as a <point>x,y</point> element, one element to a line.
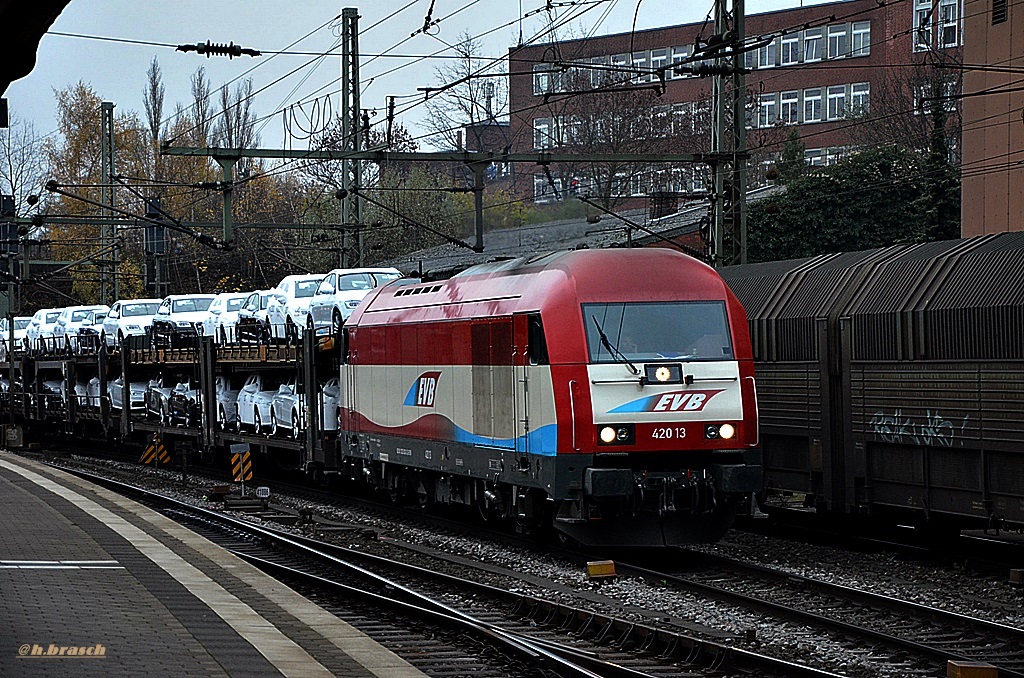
<point>74,158</point>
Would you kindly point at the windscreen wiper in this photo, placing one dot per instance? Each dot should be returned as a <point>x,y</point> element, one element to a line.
<point>615,352</point>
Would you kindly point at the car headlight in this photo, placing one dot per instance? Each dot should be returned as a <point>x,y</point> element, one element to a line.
<point>352,303</point>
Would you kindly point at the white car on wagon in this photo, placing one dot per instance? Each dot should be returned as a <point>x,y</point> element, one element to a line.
<point>340,292</point>
<point>289,304</point>
<point>128,318</point>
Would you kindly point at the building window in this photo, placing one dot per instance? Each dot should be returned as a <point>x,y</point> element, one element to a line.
<point>837,42</point>
<point>766,55</point>
<point>836,101</point>
<point>814,157</point>
<point>641,64</point>
<point>598,71</point>
<point>620,64</point>
<point>541,80</point>
<point>766,111</point>
<point>679,56</point>
<point>659,57</point>
<point>789,109</point>
<point>750,60</point>
<point>998,11</point>
<point>542,133</point>
<point>922,25</point>
<point>790,50</point>
<point>812,105</point>
<point>860,35</point>
<point>812,44</point>
<point>950,27</point>
<point>860,93</point>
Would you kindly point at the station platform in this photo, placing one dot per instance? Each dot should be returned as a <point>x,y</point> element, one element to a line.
<point>94,584</point>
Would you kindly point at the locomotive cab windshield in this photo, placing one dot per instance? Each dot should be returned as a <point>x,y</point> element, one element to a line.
<point>657,331</point>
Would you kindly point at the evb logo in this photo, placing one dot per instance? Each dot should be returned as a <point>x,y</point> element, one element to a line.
<point>423,390</point>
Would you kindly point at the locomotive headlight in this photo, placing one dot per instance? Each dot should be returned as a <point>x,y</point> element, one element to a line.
<point>616,435</point>
<point>716,431</point>
<point>663,374</point>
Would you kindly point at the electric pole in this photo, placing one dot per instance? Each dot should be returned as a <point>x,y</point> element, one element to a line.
<point>351,204</point>
<point>729,139</point>
<point>108,233</point>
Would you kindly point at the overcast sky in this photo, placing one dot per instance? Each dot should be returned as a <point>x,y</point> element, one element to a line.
<point>125,35</point>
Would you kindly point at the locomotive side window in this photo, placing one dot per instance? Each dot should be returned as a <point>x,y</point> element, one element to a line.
<point>681,330</point>
<point>538,345</point>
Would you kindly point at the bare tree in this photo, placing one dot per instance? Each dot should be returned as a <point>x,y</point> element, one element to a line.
<point>472,91</point>
<point>23,168</point>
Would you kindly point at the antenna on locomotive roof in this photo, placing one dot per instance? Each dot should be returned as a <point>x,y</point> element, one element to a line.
<point>615,352</point>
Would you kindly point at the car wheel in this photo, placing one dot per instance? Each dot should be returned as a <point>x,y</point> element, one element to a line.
<point>273,422</point>
<point>309,323</point>
<point>291,332</point>
<point>223,335</point>
<point>165,416</point>
<point>103,339</point>
<point>295,425</point>
<point>222,418</point>
<point>120,340</point>
<point>257,425</point>
<point>336,322</point>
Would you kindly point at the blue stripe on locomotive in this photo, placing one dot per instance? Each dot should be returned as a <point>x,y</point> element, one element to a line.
<point>542,441</point>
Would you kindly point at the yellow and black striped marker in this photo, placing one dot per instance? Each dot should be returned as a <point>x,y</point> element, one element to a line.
<point>241,467</point>
<point>155,452</point>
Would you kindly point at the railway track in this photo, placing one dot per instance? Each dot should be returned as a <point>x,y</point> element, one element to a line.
<point>515,634</point>
<point>920,638</point>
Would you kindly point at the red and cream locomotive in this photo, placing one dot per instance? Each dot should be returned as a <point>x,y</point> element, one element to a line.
<point>609,394</point>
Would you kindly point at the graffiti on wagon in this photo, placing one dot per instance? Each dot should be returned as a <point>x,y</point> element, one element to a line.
<point>934,429</point>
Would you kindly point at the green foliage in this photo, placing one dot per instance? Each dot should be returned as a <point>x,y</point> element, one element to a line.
<point>791,162</point>
<point>869,200</point>
<point>569,208</point>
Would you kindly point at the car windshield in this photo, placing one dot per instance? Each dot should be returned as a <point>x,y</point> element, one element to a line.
<point>235,304</point>
<point>354,281</point>
<point>190,305</point>
<point>21,323</point>
<point>684,330</point>
<point>79,315</point>
<point>385,278</point>
<point>52,317</point>
<point>305,288</point>
<point>145,308</point>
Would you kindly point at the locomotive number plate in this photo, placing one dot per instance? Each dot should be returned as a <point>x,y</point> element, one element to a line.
<point>668,432</point>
